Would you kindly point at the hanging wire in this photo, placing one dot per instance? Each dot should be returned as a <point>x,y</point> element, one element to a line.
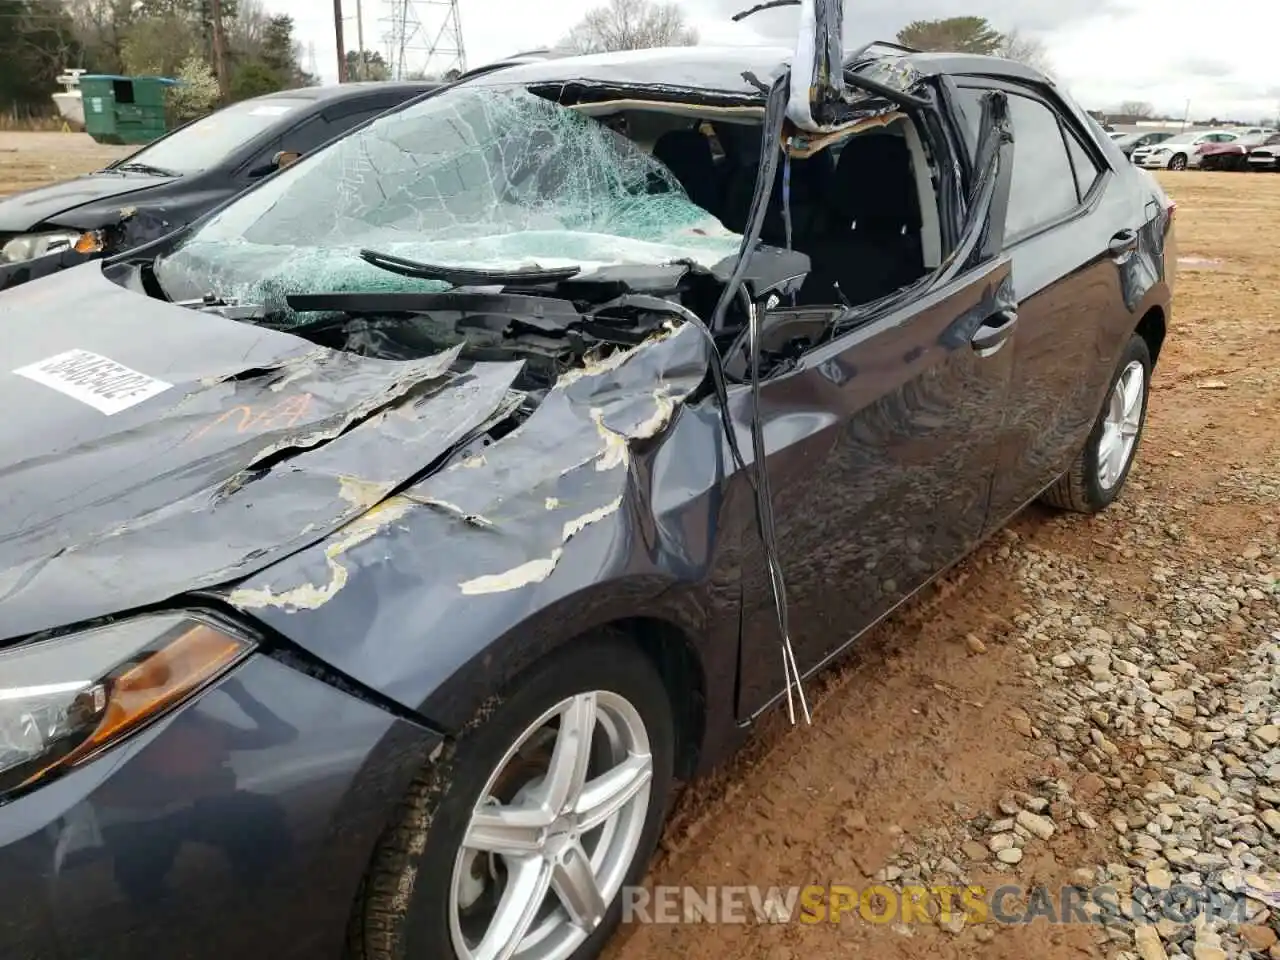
<point>770,148</point>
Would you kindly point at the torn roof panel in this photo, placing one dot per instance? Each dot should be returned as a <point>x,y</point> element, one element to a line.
<point>896,73</point>
<point>721,69</point>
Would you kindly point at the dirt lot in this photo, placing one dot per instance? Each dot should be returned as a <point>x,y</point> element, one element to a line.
<point>29,159</point>
<point>964,704</point>
<point>1109,680</point>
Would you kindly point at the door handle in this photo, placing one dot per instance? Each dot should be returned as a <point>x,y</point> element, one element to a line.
<point>991,335</point>
<point>1123,243</point>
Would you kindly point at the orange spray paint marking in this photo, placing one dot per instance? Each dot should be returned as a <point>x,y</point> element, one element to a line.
<point>248,418</point>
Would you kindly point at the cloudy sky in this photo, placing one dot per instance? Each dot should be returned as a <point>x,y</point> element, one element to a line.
<point>1166,52</point>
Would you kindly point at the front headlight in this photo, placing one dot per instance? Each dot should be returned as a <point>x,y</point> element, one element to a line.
<point>34,245</point>
<point>65,699</point>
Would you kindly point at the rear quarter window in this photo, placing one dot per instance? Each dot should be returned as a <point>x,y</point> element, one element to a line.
<point>1052,171</point>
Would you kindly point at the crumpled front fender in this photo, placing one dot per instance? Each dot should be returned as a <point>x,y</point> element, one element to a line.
<point>604,504</point>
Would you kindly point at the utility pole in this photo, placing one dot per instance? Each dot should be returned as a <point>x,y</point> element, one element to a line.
<point>219,50</point>
<point>342,47</point>
<point>360,61</point>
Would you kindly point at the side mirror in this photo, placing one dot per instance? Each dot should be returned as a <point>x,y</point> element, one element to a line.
<point>281,160</point>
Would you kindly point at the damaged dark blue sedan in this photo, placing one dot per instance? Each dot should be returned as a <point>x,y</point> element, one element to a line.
<point>378,552</point>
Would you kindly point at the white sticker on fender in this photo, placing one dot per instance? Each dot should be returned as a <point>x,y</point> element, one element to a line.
<point>102,383</point>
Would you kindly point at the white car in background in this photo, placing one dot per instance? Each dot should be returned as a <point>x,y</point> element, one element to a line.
<point>1181,151</point>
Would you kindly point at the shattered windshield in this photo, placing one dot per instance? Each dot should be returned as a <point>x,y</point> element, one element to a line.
<point>478,177</point>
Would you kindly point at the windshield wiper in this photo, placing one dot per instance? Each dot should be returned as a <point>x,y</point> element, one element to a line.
<point>767,5</point>
<point>547,314</point>
<point>461,276</point>
<point>145,168</point>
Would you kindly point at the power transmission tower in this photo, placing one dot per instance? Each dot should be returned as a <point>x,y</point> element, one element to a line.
<point>424,37</point>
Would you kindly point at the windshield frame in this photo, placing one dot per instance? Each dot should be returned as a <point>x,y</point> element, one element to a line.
<point>232,161</point>
<point>163,252</point>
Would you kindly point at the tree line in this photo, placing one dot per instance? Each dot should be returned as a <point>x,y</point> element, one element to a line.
<point>170,38</point>
<point>258,52</point>
<point>638,24</point>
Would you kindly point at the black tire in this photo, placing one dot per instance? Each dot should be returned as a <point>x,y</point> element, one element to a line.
<point>403,913</point>
<point>1178,161</point>
<point>1079,489</point>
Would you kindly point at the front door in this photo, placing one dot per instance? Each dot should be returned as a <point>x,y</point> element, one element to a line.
<point>881,448</point>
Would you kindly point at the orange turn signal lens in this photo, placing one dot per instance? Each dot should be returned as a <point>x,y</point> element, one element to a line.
<point>65,699</point>
<point>89,243</point>
<point>162,679</point>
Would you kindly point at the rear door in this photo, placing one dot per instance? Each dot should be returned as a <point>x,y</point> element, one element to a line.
<point>881,447</point>
<point>1071,231</point>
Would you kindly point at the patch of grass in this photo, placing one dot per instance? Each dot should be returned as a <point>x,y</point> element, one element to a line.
<point>24,122</point>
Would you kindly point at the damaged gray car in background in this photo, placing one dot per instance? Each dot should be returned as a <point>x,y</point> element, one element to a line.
<point>381,550</point>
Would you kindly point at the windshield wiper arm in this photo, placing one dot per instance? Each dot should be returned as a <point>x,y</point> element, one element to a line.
<point>548,314</point>
<point>145,168</point>
<point>767,5</point>
<point>228,307</point>
<point>461,276</point>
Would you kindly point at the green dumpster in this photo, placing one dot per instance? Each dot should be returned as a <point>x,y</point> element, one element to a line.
<point>124,109</point>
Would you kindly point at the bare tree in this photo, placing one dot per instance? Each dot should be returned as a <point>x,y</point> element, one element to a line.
<point>46,35</point>
<point>158,46</point>
<point>630,25</point>
<point>1137,108</point>
<point>100,26</point>
<point>246,33</point>
<point>1024,49</point>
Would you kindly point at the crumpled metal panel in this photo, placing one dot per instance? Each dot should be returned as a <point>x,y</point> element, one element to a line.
<point>564,503</point>
<point>261,445</point>
<point>896,73</point>
<point>733,72</point>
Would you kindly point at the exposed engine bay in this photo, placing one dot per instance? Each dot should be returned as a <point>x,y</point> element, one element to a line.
<point>559,327</point>
<point>553,327</point>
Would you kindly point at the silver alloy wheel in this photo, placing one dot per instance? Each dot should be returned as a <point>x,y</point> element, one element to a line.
<point>1121,424</point>
<point>556,853</point>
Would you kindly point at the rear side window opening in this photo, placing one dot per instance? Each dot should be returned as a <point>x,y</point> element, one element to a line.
<point>1053,172</point>
<point>864,210</point>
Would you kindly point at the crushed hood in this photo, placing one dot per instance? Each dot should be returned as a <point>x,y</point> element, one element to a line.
<point>150,449</point>
<point>26,211</point>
